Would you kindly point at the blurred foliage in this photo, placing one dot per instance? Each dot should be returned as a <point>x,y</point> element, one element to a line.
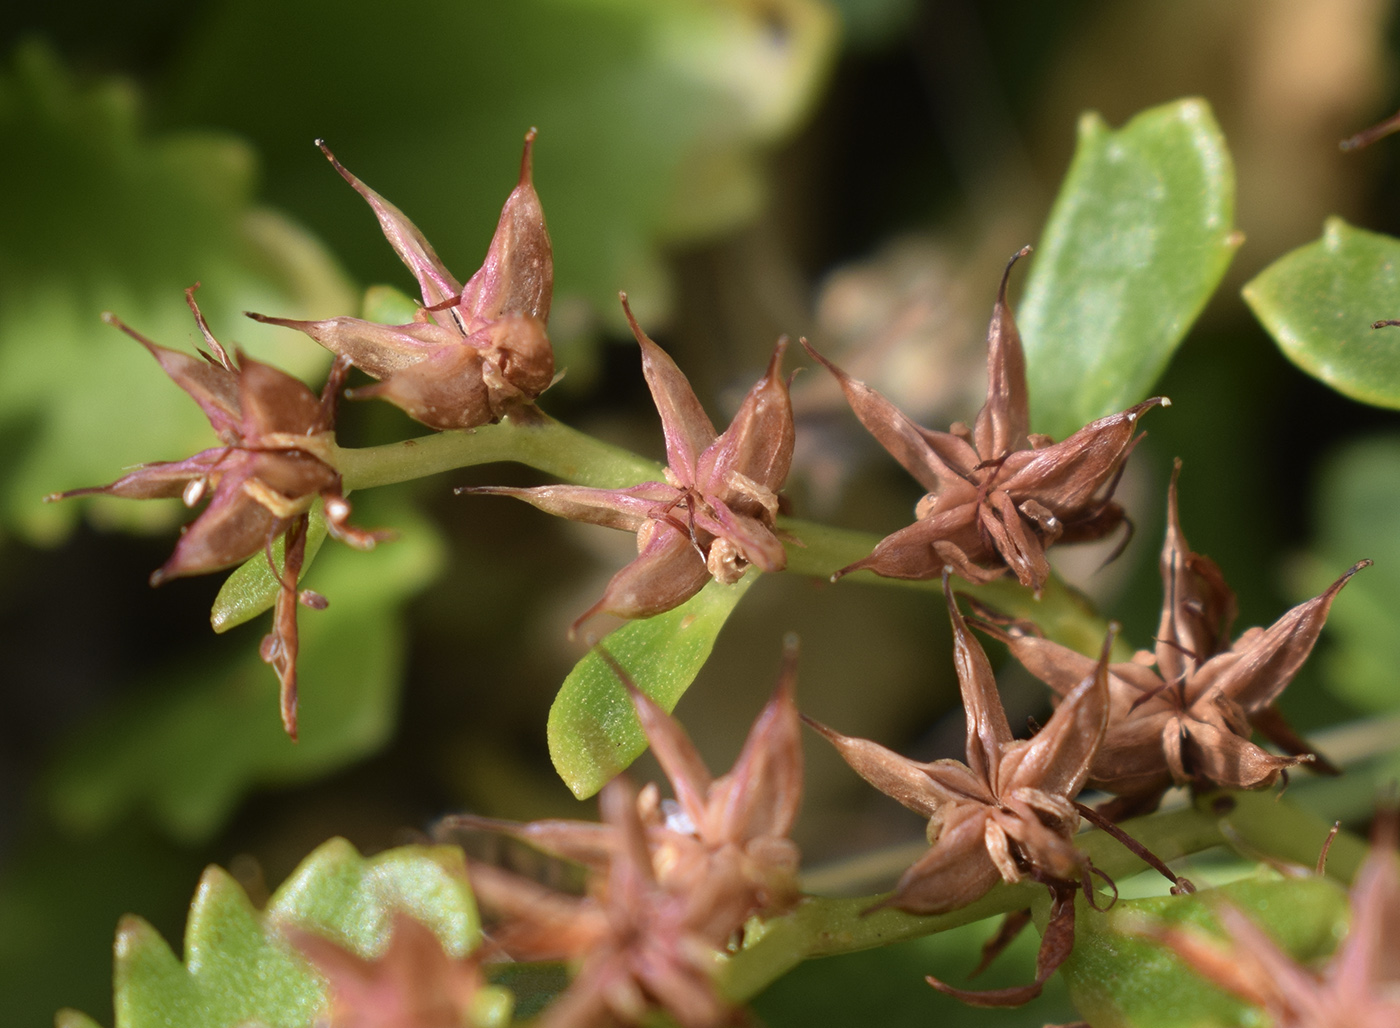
<point>237,970</point>
<point>1140,235</point>
<point>115,219</point>
<point>651,115</point>
<point>690,153</point>
<point>1320,302</point>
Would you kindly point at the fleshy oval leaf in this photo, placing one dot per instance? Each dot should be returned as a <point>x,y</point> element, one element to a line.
<point>1320,301</point>
<point>593,731</point>
<point>1139,237</point>
<point>1120,979</point>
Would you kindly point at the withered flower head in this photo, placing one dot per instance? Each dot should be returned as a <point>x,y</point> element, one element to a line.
<point>1359,987</point>
<point>635,942</point>
<point>275,461</point>
<point>1005,815</point>
<point>726,836</point>
<point>1184,713</point>
<point>474,353</point>
<point>998,494</point>
<point>714,514</point>
<point>414,984</point>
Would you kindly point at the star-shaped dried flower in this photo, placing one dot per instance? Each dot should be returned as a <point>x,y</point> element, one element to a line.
<point>714,514</point>
<point>275,461</point>
<point>474,354</point>
<point>1005,815</point>
<point>414,984</point>
<point>1359,987</point>
<point>636,943</point>
<point>730,831</point>
<point>1185,712</point>
<point>998,494</point>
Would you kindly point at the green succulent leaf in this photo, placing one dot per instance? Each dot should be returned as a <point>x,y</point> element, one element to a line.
<point>1320,301</point>
<point>237,971</point>
<point>1119,979</point>
<point>652,119</point>
<point>593,730</point>
<point>1139,237</point>
<point>187,747</point>
<point>116,219</point>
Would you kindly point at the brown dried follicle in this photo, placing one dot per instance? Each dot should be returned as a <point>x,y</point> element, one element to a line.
<point>1007,814</point>
<point>475,353</point>
<point>275,461</point>
<point>714,515</point>
<point>999,495</point>
<point>671,883</point>
<point>1185,712</point>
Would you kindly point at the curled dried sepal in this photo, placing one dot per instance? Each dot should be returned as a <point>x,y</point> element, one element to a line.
<point>1056,944</point>
<point>999,495</point>
<point>1184,713</point>
<point>274,463</point>
<point>1359,987</point>
<point>474,353</point>
<point>414,984</point>
<point>713,516</point>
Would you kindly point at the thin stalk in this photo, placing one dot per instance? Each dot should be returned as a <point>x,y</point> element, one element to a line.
<point>542,443</point>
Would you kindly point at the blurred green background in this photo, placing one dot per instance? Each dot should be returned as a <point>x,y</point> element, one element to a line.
<point>855,171</point>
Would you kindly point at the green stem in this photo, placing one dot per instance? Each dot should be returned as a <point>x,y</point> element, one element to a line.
<point>541,442</point>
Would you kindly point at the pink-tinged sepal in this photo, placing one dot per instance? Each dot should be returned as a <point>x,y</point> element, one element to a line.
<point>517,276</point>
<point>410,244</point>
<point>684,423</point>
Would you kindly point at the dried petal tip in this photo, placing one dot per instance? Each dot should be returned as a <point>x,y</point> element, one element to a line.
<point>527,158</point>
